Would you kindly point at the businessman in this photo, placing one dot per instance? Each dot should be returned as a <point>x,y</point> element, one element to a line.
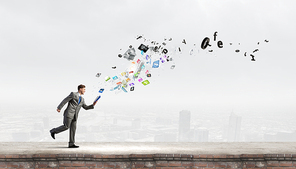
<point>75,102</point>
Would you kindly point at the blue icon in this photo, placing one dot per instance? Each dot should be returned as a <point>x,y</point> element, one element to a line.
<point>124,89</point>
<point>115,77</point>
<point>116,87</point>
<point>155,64</point>
<point>143,67</point>
<point>101,90</point>
<point>142,52</point>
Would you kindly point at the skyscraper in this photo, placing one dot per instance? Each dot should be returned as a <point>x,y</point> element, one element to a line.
<point>234,128</point>
<point>184,125</point>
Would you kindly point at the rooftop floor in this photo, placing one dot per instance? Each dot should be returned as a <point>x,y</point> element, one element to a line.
<point>148,148</point>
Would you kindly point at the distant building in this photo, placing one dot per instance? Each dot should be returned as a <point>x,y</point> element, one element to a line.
<point>136,123</point>
<point>165,137</point>
<point>133,135</point>
<point>114,120</point>
<point>163,121</point>
<point>21,136</point>
<point>225,132</point>
<point>253,137</point>
<point>184,126</point>
<point>35,134</point>
<point>201,135</point>
<point>38,126</point>
<point>46,122</point>
<point>280,137</point>
<point>234,128</point>
<point>286,137</point>
<point>269,137</point>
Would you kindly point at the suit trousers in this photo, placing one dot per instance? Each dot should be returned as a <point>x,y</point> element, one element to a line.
<point>68,123</point>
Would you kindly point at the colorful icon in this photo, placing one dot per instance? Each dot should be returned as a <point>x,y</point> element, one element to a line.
<point>124,89</point>
<point>140,80</point>
<point>133,62</point>
<point>123,74</point>
<point>145,82</point>
<point>147,71</point>
<point>138,61</point>
<point>148,75</point>
<point>162,60</point>
<point>118,83</point>
<point>155,64</point>
<point>147,57</point>
<point>107,78</point>
<point>115,77</point>
<point>101,90</point>
<point>132,67</point>
<point>116,87</point>
<point>128,79</point>
<point>142,52</point>
<point>136,74</point>
<point>131,84</point>
<point>132,88</point>
<point>143,67</point>
<point>131,72</point>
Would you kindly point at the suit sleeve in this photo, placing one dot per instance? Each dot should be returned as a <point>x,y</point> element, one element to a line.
<point>66,100</point>
<point>86,107</point>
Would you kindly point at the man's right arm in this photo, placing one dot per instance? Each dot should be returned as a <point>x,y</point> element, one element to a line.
<point>67,99</point>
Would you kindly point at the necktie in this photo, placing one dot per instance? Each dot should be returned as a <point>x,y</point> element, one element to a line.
<point>79,99</point>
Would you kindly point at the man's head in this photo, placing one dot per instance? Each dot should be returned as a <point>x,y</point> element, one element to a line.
<point>81,89</point>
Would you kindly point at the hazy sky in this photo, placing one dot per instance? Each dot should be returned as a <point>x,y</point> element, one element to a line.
<point>48,48</point>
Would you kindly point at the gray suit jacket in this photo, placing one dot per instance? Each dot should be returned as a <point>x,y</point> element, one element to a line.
<point>73,107</point>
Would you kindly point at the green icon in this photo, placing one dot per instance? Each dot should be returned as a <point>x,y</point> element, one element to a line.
<point>107,78</point>
<point>136,74</point>
<point>145,82</point>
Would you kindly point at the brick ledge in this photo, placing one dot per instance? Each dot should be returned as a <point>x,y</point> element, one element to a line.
<point>147,157</point>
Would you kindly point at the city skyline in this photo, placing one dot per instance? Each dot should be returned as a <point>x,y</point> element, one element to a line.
<point>95,126</point>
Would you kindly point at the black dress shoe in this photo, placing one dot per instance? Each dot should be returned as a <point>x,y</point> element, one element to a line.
<point>73,146</point>
<point>52,135</point>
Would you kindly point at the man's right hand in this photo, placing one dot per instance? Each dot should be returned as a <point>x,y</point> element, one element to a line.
<point>58,110</point>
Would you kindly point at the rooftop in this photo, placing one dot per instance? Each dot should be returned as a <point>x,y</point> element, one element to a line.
<point>235,148</point>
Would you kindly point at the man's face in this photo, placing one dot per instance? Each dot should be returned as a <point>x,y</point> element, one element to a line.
<point>82,90</point>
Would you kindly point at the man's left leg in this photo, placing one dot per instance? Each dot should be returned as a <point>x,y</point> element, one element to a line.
<point>72,132</point>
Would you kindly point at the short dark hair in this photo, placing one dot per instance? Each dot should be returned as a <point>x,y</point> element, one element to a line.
<point>81,86</point>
